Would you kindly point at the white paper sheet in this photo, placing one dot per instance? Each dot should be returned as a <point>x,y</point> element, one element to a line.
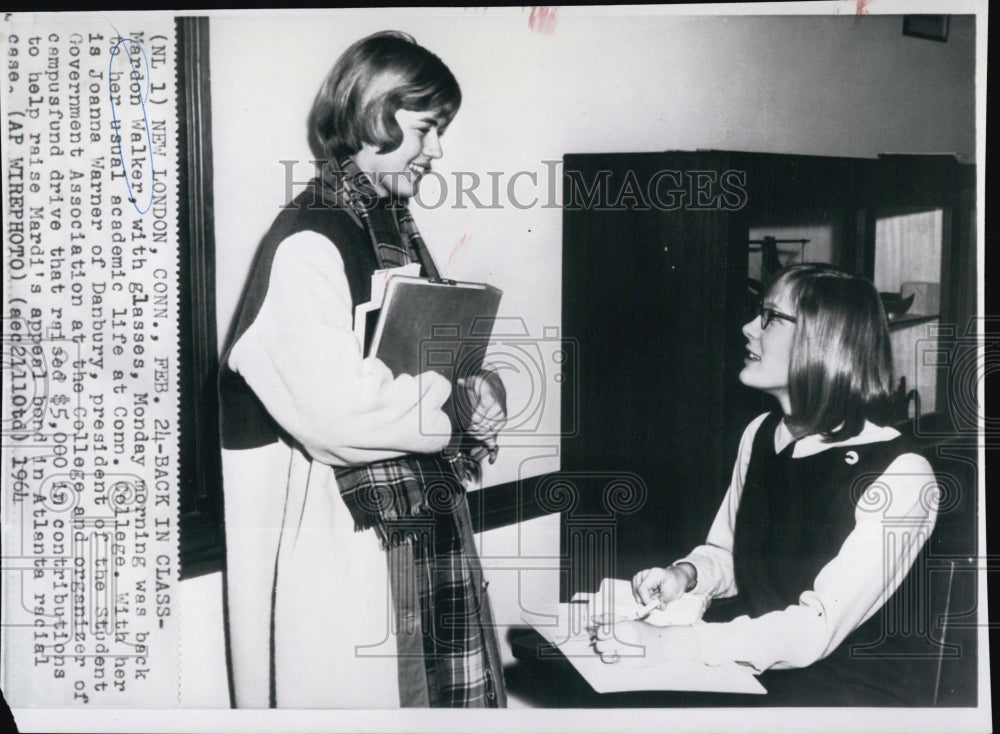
<point>566,628</point>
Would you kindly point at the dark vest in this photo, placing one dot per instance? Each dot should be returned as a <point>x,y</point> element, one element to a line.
<point>244,421</point>
<point>794,516</point>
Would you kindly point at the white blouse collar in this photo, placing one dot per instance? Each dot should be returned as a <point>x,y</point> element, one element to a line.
<point>814,443</point>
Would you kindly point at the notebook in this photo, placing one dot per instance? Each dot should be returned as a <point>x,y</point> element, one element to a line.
<point>568,626</point>
<point>441,325</point>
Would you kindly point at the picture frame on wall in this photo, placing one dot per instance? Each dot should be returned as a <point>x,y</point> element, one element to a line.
<point>931,27</point>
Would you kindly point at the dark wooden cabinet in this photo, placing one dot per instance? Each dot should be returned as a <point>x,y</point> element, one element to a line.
<point>654,293</point>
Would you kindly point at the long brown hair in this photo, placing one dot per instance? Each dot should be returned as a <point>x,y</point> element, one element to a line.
<point>841,365</point>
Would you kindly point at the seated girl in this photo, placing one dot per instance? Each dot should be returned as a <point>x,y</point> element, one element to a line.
<point>826,512</point>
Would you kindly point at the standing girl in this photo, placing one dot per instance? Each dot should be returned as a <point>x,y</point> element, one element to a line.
<point>352,579</point>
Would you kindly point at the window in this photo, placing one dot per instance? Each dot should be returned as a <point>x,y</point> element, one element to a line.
<point>908,248</point>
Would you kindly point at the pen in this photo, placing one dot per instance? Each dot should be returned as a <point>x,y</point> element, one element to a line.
<point>645,611</point>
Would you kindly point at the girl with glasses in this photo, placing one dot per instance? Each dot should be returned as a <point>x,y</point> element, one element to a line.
<point>826,512</point>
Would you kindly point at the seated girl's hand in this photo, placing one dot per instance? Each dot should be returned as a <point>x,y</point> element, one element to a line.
<point>645,643</point>
<point>663,584</point>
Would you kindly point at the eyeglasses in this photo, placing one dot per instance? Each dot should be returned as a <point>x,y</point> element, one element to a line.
<point>767,315</point>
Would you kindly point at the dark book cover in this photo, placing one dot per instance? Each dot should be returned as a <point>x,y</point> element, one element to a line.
<point>438,325</point>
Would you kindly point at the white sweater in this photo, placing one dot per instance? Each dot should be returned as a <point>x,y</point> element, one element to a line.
<point>847,591</point>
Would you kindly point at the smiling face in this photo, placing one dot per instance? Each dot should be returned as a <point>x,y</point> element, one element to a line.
<point>398,172</point>
<point>769,350</point>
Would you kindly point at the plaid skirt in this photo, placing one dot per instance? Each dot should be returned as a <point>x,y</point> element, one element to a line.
<point>448,653</point>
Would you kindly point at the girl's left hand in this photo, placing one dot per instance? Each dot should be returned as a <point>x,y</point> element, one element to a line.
<point>642,642</point>
<point>487,397</point>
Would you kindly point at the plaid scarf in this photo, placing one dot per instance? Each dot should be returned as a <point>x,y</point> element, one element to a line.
<point>416,504</point>
<point>388,222</point>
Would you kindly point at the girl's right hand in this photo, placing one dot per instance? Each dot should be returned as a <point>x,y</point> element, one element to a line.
<point>662,584</point>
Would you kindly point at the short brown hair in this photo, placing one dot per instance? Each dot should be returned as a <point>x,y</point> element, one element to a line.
<point>372,79</point>
<point>841,365</point>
